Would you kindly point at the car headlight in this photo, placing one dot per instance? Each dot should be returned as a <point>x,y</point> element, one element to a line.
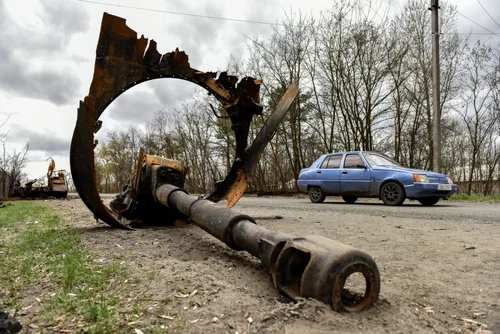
<point>420,178</point>
<point>450,181</point>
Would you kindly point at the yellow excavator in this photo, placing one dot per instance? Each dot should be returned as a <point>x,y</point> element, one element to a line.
<point>56,185</point>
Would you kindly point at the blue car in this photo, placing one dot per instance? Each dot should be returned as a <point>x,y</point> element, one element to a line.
<point>369,174</point>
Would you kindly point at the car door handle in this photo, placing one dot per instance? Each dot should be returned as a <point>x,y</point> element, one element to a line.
<point>318,171</point>
<point>344,172</point>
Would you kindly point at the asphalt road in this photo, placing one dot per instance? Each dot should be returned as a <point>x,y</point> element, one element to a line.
<point>444,211</point>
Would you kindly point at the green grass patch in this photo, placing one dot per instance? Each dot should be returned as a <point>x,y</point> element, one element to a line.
<point>42,259</point>
<point>475,198</point>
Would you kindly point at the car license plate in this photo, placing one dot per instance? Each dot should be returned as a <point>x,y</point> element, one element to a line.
<point>444,186</point>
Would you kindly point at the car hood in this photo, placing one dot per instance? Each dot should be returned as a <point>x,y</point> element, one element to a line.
<point>408,170</point>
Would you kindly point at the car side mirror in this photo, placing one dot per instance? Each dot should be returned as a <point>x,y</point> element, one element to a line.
<point>360,166</point>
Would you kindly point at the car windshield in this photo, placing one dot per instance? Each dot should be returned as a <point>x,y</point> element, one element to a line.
<point>379,160</point>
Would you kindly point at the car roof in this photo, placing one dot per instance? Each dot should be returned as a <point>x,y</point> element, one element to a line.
<point>344,152</point>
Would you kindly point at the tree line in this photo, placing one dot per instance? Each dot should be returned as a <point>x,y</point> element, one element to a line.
<point>12,163</point>
<point>365,83</point>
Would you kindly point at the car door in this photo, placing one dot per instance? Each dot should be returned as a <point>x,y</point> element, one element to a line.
<point>355,176</point>
<point>329,174</point>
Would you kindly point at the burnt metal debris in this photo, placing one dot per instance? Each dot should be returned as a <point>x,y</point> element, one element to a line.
<point>311,266</point>
<point>9,324</point>
<point>56,185</point>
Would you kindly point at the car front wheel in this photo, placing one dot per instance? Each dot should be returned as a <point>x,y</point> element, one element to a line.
<point>428,201</point>
<point>392,194</point>
<point>316,195</point>
<point>350,199</point>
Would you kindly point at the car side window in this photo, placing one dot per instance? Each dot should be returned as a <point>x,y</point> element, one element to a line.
<point>324,163</point>
<point>331,162</point>
<point>334,161</point>
<point>352,161</point>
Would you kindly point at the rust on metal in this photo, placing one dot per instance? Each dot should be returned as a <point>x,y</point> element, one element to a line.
<point>311,266</point>
<point>56,185</point>
<point>136,203</point>
<point>123,61</point>
<point>233,187</point>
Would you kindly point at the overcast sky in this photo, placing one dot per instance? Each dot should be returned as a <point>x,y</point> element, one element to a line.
<point>47,53</point>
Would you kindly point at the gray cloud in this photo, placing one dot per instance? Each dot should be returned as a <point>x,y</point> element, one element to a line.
<point>138,105</point>
<point>199,35</point>
<point>264,11</point>
<point>134,107</point>
<point>66,16</point>
<point>39,156</point>
<point>40,142</point>
<point>57,85</point>
<point>61,20</point>
<point>212,36</point>
<point>172,91</point>
<point>33,60</point>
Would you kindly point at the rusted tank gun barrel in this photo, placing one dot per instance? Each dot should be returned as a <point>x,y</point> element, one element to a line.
<point>311,266</point>
<point>301,267</point>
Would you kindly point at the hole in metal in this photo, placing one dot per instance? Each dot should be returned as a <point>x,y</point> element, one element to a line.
<point>354,291</point>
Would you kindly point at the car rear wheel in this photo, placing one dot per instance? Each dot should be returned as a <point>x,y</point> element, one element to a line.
<point>392,194</point>
<point>428,201</point>
<point>350,199</point>
<point>316,195</point>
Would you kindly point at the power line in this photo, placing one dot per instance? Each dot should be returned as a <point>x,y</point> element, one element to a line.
<point>488,13</point>
<point>179,13</point>
<point>469,33</point>
<point>498,35</point>
<point>257,22</point>
<point>473,33</point>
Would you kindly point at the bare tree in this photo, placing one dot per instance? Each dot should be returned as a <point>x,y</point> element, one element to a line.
<point>415,26</point>
<point>116,159</point>
<point>364,83</point>
<point>479,110</point>
<point>12,163</point>
<point>279,61</point>
<point>17,162</point>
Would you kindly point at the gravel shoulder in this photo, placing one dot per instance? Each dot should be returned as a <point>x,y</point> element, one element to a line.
<point>439,266</point>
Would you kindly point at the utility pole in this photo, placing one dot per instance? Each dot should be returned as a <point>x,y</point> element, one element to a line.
<point>436,114</point>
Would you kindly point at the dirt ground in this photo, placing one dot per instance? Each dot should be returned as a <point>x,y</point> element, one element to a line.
<point>439,266</point>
